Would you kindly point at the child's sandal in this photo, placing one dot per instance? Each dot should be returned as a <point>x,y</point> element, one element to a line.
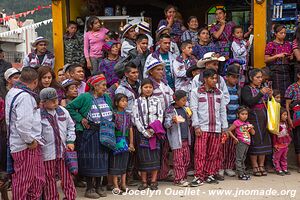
<point>154,186</point>
<point>256,172</point>
<point>143,186</point>
<point>263,171</point>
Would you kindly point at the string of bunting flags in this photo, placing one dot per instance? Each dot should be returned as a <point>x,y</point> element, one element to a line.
<point>22,29</point>
<point>24,14</point>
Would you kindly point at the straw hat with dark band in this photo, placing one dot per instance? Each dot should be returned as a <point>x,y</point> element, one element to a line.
<point>126,28</point>
<point>38,40</point>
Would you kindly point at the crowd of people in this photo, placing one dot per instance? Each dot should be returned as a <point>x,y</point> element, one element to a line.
<point>126,102</point>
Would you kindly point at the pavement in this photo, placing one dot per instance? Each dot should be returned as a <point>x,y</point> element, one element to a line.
<point>273,187</point>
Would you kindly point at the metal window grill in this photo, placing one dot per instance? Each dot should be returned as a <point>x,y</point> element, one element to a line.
<point>13,56</point>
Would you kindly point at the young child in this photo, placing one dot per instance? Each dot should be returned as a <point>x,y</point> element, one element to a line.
<point>209,120</point>
<point>94,39</point>
<point>60,76</point>
<point>119,162</point>
<point>147,111</point>
<point>277,96</point>
<point>281,143</point>
<point>239,49</point>
<point>73,44</point>
<point>242,130</point>
<point>181,64</point>
<point>58,133</point>
<point>71,89</point>
<point>177,121</point>
<point>110,58</point>
<point>227,151</point>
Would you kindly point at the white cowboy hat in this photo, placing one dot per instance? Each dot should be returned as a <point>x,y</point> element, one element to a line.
<point>208,57</point>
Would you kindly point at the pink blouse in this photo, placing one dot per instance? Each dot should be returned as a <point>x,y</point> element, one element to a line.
<point>93,42</point>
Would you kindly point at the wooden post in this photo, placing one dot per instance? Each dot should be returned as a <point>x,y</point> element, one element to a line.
<point>58,16</point>
<point>260,31</point>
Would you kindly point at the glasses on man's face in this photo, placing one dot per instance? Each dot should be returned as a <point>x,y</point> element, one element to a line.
<point>42,44</point>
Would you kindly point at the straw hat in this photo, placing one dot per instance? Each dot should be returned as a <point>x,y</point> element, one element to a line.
<point>126,28</point>
<point>145,26</point>
<point>152,63</point>
<point>38,40</point>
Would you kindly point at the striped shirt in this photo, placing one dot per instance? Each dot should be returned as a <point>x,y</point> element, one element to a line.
<point>233,104</point>
<point>94,115</point>
<point>190,35</point>
<point>151,110</point>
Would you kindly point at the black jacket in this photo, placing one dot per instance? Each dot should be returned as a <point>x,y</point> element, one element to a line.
<point>139,60</point>
<point>3,67</point>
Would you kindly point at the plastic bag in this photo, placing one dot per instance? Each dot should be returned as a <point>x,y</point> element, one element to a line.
<point>273,116</point>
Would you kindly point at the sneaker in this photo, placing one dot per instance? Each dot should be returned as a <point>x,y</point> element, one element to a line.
<point>230,172</point>
<point>280,173</point>
<point>211,180</point>
<point>190,173</point>
<point>91,194</point>
<point>196,182</point>
<point>182,183</point>
<point>219,177</point>
<point>221,172</point>
<point>244,177</point>
<point>286,172</point>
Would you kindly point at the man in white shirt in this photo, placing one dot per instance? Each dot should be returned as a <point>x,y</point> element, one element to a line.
<point>24,133</point>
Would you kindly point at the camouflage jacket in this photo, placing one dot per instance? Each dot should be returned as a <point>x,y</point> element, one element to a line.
<point>74,49</point>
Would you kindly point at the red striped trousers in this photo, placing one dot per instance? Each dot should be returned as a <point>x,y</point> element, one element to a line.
<point>52,169</point>
<point>227,155</point>
<point>29,177</point>
<point>206,154</point>
<point>181,161</point>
